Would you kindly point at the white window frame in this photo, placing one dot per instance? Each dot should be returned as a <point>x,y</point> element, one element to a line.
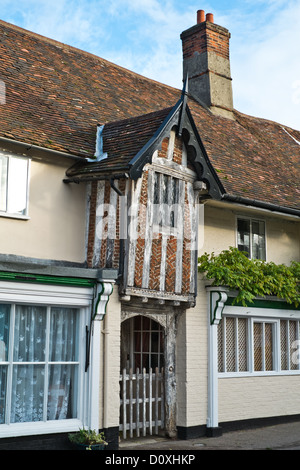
<point>251,219</point>
<point>276,345</point>
<point>289,344</point>
<point>264,315</point>
<point>12,214</point>
<point>74,297</point>
<point>236,351</point>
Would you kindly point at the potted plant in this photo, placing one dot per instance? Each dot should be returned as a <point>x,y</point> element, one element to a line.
<point>88,439</point>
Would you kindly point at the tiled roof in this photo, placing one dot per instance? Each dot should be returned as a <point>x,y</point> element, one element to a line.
<point>56,95</point>
<point>122,140</point>
<point>254,158</point>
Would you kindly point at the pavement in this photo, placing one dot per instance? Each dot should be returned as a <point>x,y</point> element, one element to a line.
<point>276,437</point>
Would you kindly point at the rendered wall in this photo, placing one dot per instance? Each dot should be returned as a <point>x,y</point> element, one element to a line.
<point>257,397</point>
<point>282,233</point>
<point>56,226</point>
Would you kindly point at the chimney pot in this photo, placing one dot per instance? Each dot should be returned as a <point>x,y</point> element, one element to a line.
<point>210,17</point>
<point>200,16</point>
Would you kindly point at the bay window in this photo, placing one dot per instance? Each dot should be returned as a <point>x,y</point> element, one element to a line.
<point>39,363</point>
<point>43,384</point>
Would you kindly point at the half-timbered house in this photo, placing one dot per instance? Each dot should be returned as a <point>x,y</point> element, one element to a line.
<point>123,182</point>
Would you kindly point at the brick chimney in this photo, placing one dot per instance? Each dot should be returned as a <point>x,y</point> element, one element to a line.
<point>206,61</point>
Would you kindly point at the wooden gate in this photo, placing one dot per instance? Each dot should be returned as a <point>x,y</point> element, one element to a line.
<point>142,402</point>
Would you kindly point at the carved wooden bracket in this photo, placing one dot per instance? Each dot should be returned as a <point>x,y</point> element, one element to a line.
<point>103,292</point>
<point>218,297</point>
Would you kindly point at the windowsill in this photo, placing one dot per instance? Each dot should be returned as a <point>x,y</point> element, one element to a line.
<point>35,428</point>
<point>239,375</point>
<point>14,216</point>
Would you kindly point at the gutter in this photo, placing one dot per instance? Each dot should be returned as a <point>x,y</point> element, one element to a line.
<point>35,151</point>
<point>260,204</point>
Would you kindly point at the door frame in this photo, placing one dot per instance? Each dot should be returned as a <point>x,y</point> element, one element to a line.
<point>168,320</point>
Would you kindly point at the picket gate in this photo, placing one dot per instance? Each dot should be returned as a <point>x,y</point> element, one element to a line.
<point>141,402</point>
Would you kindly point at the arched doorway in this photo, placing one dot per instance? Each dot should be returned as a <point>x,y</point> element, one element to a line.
<point>142,380</point>
<point>142,340</point>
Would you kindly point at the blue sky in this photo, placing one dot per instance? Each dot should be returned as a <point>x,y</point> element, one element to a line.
<point>144,36</point>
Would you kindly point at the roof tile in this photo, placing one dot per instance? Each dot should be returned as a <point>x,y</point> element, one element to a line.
<point>56,95</point>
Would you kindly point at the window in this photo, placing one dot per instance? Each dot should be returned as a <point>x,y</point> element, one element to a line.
<point>255,345</point>
<point>13,185</point>
<point>247,345</point>
<point>263,346</point>
<point>233,345</point>
<point>289,338</point>
<point>39,363</point>
<point>148,344</point>
<point>166,197</point>
<point>251,238</point>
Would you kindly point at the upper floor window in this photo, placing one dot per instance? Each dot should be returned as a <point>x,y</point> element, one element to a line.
<point>251,237</point>
<point>13,185</point>
<point>166,197</point>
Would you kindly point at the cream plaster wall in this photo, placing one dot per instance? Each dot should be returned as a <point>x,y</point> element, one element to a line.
<point>56,226</point>
<point>282,233</point>
<point>219,230</point>
<point>283,241</point>
<point>272,396</point>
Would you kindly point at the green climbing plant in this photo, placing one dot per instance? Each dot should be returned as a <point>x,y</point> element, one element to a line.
<point>251,278</point>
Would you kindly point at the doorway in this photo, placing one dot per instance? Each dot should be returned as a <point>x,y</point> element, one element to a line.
<point>142,342</point>
<point>142,403</point>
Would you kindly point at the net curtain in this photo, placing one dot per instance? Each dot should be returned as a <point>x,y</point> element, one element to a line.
<point>42,376</point>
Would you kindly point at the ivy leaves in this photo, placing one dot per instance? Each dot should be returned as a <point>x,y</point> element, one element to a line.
<point>250,277</point>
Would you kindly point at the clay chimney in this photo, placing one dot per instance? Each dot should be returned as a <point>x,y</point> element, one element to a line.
<point>206,62</point>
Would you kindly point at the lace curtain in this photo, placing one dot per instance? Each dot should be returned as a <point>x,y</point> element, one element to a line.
<point>44,368</point>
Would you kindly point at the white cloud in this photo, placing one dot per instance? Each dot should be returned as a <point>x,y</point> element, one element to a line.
<point>296,92</point>
<point>70,21</point>
<point>154,49</point>
<point>267,67</point>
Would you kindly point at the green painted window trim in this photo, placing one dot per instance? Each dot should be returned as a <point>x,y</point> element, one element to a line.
<point>261,303</point>
<point>43,279</point>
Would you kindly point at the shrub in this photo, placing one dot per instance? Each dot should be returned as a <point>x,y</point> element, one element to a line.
<point>252,278</point>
